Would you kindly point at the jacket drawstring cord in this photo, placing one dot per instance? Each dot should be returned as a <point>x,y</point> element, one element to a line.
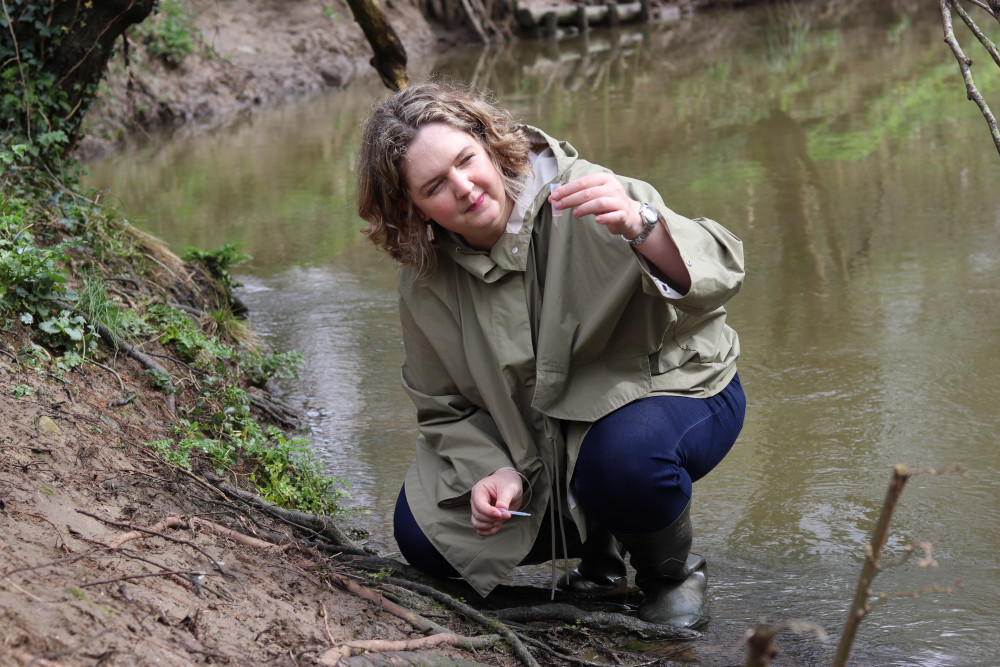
<point>555,511</point>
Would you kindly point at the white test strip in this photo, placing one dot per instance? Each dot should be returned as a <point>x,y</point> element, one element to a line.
<point>512,512</point>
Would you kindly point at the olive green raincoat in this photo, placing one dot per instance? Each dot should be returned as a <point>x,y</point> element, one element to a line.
<point>511,354</point>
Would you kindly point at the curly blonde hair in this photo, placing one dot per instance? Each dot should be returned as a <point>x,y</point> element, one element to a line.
<point>394,223</point>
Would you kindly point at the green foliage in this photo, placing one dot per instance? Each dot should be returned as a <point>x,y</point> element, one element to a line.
<point>46,231</point>
<point>69,332</point>
<point>259,366</point>
<point>34,357</point>
<point>226,326</point>
<point>21,390</point>
<point>32,280</point>
<point>185,335</point>
<point>94,301</point>
<point>33,108</point>
<point>218,261</point>
<point>170,35</point>
<point>284,470</point>
<point>161,380</point>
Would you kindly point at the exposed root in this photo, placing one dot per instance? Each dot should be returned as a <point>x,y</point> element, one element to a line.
<point>335,655</point>
<point>600,620</point>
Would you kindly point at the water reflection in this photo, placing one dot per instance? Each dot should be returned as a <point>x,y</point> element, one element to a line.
<point>861,181</point>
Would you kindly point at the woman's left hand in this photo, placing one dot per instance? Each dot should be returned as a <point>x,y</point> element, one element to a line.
<point>602,196</point>
<point>491,497</point>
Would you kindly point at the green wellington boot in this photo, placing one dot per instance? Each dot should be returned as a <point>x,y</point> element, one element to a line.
<point>672,579</point>
<point>601,570</point>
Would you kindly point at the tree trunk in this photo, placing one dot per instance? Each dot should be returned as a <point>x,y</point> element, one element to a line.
<point>55,53</point>
<point>390,56</point>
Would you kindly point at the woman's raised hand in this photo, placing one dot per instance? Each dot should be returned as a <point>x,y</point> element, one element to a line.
<point>602,196</point>
<point>491,496</point>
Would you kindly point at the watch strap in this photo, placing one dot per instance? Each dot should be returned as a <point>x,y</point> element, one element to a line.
<point>649,218</point>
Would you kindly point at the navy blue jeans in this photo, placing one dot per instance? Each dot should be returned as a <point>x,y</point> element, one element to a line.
<point>633,475</point>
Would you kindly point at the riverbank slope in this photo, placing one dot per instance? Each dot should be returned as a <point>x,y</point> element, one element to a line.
<point>245,54</point>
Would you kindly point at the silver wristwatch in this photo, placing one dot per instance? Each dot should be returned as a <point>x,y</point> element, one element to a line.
<point>649,220</point>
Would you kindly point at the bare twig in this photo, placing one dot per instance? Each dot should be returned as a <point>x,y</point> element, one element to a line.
<point>964,64</point>
<point>169,522</point>
<point>980,35</point>
<point>61,561</point>
<point>58,534</point>
<point>110,370</point>
<point>326,623</point>
<point>126,577</point>
<point>873,552</point>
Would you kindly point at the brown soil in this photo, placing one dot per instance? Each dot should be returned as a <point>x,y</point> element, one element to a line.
<point>75,476</point>
<point>251,53</point>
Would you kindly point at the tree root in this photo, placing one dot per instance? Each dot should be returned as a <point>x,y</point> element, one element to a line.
<point>194,523</point>
<point>170,522</point>
<point>312,523</point>
<point>277,411</point>
<point>599,620</point>
<point>520,650</point>
<point>417,622</point>
<point>337,656</point>
<point>406,659</point>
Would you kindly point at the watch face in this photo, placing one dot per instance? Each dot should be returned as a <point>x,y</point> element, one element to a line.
<point>648,213</point>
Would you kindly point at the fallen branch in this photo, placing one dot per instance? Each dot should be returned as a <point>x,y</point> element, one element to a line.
<point>173,574</point>
<point>599,620</point>
<point>121,383</point>
<point>276,411</point>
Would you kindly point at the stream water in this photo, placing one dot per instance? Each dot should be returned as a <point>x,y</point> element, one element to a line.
<point>863,184</point>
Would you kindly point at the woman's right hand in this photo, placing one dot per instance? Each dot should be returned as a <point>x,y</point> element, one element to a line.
<point>491,496</point>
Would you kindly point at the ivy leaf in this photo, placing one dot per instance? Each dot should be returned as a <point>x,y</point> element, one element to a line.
<point>49,326</point>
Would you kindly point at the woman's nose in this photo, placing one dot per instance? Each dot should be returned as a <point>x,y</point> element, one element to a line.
<point>463,186</point>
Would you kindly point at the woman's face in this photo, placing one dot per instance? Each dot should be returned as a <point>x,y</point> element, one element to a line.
<point>452,181</point>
